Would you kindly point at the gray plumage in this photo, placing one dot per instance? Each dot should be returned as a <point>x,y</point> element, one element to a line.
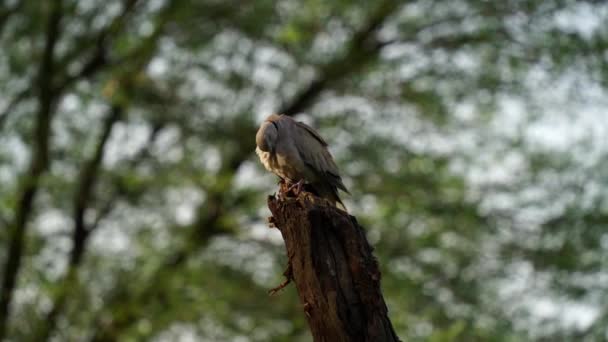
<point>294,151</point>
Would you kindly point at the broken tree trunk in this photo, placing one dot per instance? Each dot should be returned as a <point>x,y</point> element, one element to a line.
<point>332,266</point>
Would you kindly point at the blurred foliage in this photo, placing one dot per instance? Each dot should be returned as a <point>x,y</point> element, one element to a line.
<point>149,222</point>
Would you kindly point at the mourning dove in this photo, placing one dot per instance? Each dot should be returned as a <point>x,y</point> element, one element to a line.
<point>298,154</point>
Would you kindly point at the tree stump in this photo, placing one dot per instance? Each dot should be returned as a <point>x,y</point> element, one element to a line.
<point>333,268</point>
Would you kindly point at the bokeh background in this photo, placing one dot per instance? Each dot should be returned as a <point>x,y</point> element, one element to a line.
<point>471,133</point>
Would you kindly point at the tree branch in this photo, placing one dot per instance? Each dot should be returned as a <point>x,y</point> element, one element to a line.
<point>20,96</point>
<point>99,58</point>
<point>83,197</point>
<point>119,192</point>
<point>6,13</point>
<point>96,62</point>
<point>362,48</point>
<point>334,270</point>
<point>88,179</point>
<point>89,174</point>
<point>198,236</point>
<point>38,165</point>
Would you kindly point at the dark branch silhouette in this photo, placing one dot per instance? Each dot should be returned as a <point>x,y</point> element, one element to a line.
<point>82,201</point>
<point>38,164</point>
<point>98,58</point>
<point>361,49</point>
<point>96,61</point>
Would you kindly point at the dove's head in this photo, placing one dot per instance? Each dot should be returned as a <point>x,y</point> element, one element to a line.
<point>267,136</point>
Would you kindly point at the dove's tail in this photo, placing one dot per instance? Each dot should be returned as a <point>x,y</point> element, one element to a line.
<point>330,193</point>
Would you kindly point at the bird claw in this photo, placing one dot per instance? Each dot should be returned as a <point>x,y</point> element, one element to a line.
<point>281,196</point>
<point>297,187</point>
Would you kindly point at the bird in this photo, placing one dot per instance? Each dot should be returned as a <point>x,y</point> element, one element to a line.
<point>297,154</point>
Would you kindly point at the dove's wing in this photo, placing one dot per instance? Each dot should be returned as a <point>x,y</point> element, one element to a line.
<point>313,151</point>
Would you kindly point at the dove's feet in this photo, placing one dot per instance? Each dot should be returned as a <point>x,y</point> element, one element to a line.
<point>283,188</point>
<point>297,187</point>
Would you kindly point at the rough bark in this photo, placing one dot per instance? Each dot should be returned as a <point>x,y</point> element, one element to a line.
<point>334,270</point>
